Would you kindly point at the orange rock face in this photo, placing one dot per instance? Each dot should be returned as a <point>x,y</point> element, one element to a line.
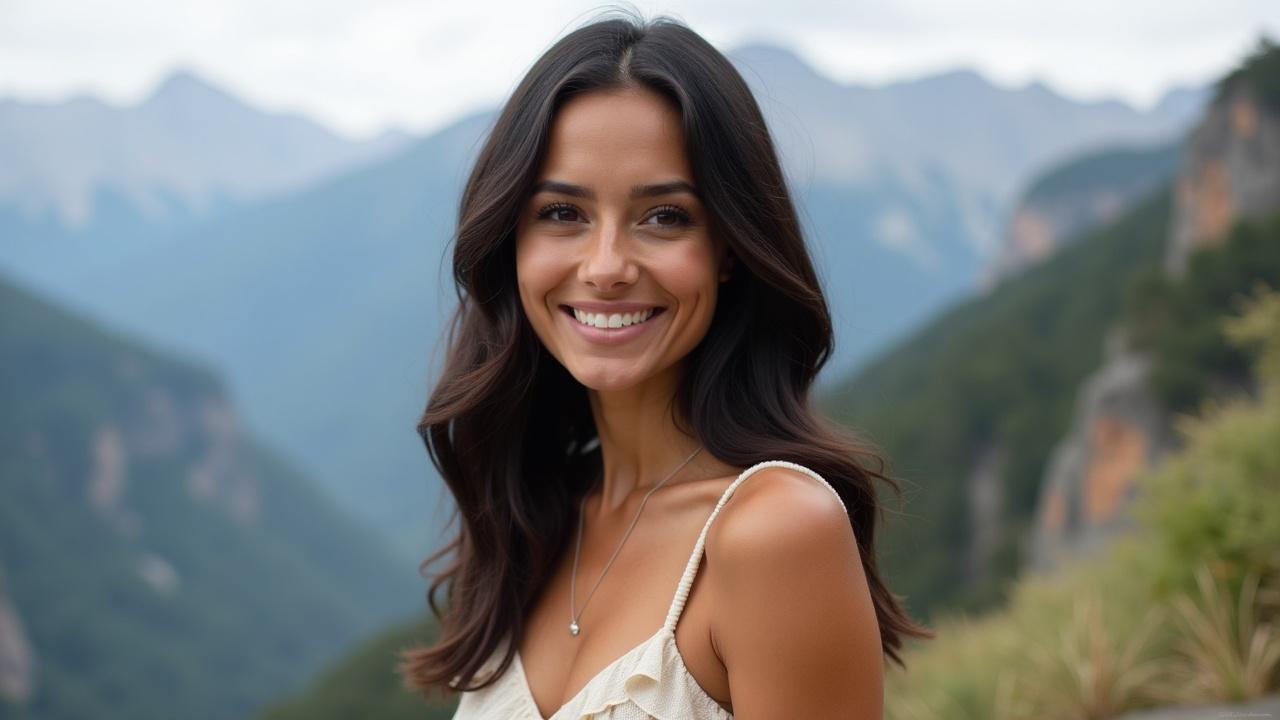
<point>1053,517</point>
<point>1208,194</point>
<point>1119,452</point>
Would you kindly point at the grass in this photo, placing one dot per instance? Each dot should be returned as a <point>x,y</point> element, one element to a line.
<point>1092,672</point>
<point>1223,655</point>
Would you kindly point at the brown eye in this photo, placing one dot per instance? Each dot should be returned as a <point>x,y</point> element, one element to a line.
<point>674,216</point>
<point>559,212</point>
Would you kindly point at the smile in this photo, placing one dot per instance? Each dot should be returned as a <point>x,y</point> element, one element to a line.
<point>612,320</point>
<point>611,328</point>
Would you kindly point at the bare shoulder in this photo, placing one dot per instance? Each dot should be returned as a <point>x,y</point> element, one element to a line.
<point>794,622</point>
<point>779,512</point>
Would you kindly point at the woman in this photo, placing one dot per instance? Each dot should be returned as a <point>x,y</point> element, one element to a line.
<point>638,328</point>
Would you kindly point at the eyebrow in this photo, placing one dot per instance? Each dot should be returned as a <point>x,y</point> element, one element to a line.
<point>637,191</point>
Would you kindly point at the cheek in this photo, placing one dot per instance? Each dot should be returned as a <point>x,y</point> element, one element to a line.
<point>536,275</point>
<point>693,274</point>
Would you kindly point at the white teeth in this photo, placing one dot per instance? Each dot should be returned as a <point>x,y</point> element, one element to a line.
<point>615,320</point>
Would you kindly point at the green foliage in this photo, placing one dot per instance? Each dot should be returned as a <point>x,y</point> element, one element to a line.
<point>999,371</point>
<point>1255,332</point>
<point>1261,71</point>
<point>1178,320</point>
<point>1217,501</point>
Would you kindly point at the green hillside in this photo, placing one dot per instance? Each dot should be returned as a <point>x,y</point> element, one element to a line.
<point>161,563</point>
<point>997,371</point>
<point>1115,167</point>
<point>365,685</point>
<point>1178,320</point>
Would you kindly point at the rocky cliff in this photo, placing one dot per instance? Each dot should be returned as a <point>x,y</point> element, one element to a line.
<point>1229,172</point>
<point>1073,198</point>
<point>1118,429</point>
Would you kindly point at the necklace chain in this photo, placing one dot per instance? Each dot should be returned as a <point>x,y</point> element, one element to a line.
<point>574,628</point>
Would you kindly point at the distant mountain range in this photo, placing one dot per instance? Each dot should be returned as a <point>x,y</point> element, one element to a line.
<point>908,186</point>
<point>188,150</point>
<point>323,304</point>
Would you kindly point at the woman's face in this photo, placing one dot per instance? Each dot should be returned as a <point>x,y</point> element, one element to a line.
<point>616,266</point>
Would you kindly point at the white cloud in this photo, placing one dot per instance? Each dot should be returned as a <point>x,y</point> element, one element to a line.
<point>363,66</point>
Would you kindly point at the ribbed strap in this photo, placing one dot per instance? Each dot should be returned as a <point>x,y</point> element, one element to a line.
<point>691,568</point>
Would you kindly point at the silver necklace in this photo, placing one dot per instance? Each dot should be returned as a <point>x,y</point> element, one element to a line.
<point>574,628</point>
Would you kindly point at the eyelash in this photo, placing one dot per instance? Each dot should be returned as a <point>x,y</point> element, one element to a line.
<point>684,218</point>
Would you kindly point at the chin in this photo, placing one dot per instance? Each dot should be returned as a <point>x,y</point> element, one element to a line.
<point>601,378</point>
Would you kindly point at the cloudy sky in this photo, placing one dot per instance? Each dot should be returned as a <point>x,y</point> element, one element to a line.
<point>363,66</point>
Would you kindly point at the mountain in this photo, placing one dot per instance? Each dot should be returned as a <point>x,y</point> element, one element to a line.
<point>324,308</point>
<point>1169,355</point>
<point>967,409</point>
<point>1078,195</point>
<point>156,559</point>
<point>324,305</point>
<point>1153,565</point>
<point>190,149</point>
<point>1019,419</point>
<point>1233,155</point>
<point>906,186</point>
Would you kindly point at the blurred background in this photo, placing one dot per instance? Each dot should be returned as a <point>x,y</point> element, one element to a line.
<point>1049,233</point>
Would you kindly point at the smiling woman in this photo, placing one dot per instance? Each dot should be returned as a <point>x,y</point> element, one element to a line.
<point>601,244</point>
<point>639,325</point>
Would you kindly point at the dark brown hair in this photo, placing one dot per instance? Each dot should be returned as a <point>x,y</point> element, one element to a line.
<point>745,390</point>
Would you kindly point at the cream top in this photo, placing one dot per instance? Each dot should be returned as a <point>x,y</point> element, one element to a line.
<point>649,682</point>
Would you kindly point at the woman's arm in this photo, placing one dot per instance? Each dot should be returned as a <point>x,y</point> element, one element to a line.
<point>794,622</point>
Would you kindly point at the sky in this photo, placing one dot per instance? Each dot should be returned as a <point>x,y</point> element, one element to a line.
<point>365,66</point>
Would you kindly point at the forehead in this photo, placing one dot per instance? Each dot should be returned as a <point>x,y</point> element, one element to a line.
<point>615,137</point>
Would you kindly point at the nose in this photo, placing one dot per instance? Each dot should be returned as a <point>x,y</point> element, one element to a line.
<point>608,261</point>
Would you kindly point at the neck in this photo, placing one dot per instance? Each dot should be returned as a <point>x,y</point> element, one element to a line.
<point>639,441</point>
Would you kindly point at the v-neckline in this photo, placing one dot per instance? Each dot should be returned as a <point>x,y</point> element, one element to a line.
<point>533,702</point>
<point>676,608</point>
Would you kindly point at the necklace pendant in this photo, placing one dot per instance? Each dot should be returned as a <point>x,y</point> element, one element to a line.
<point>573,628</point>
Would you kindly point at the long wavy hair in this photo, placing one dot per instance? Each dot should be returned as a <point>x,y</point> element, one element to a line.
<point>511,431</point>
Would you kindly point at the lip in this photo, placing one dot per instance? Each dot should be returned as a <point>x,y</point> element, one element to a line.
<point>610,307</point>
<point>610,336</point>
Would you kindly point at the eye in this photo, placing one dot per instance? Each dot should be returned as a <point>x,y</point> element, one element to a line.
<point>553,212</point>
<point>676,216</point>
